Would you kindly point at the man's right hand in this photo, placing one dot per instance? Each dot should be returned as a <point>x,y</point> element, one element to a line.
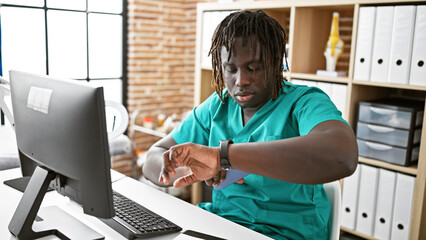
<point>203,162</point>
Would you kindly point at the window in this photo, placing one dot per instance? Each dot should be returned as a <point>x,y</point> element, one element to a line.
<point>79,39</point>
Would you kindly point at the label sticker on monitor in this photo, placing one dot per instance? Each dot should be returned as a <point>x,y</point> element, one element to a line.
<point>39,99</point>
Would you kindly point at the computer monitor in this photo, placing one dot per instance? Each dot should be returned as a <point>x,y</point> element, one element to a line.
<point>61,134</point>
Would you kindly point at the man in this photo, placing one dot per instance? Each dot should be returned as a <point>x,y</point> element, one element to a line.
<point>290,138</point>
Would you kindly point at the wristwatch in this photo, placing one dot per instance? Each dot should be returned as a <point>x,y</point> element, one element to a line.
<point>224,160</point>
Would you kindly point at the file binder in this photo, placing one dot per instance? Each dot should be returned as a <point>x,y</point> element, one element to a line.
<point>326,87</point>
<point>364,43</point>
<point>418,58</point>
<point>298,81</point>
<point>304,82</point>
<point>350,199</point>
<point>402,42</point>
<point>367,199</point>
<point>382,44</point>
<point>311,83</point>
<point>384,208</point>
<point>338,96</point>
<point>402,207</point>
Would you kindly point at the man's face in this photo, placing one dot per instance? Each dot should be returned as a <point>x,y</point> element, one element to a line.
<point>244,76</point>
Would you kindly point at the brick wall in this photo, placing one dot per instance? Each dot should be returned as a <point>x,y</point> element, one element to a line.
<point>161,55</point>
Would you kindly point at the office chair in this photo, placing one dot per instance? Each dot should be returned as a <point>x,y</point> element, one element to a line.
<point>8,151</point>
<point>5,91</point>
<point>335,197</point>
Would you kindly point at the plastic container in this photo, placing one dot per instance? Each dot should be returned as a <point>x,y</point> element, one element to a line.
<point>387,153</point>
<point>398,113</point>
<point>388,135</point>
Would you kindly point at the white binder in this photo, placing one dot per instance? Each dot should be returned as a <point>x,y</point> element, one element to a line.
<point>402,42</point>
<point>308,83</point>
<point>338,96</point>
<point>367,199</point>
<point>382,44</point>
<point>298,81</point>
<point>402,207</point>
<point>418,58</point>
<point>364,43</point>
<point>326,87</point>
<point>350,199</point>
<point>384,207</point>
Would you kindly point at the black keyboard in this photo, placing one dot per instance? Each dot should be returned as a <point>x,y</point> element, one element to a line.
<point>135,221</point>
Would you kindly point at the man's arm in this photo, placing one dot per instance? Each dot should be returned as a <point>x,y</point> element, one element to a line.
<point>329,152</point>
<point>154,161</point>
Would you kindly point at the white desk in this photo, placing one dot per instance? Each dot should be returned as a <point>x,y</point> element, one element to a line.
<point>184,214</point>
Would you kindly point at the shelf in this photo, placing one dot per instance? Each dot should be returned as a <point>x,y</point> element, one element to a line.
<point>308,76</point>
<point>345,80</point>
<point>389,85</point>
<point>330,4</point>
<point>307,56</point>
<point>314,77</point>
<point>149,131</point>
<point>307,24</point>
<point>353,232</point>
<point>412,170</point>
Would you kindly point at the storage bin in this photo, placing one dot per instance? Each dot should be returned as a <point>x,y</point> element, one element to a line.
<point>398,113</point>
<point>388,135</point>
<point>387,153</point>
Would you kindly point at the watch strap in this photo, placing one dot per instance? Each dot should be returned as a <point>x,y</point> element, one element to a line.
<point>224,157</point>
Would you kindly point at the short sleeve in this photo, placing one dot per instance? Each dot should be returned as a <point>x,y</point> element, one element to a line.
<point>312,108</point>
<point>196,126</point>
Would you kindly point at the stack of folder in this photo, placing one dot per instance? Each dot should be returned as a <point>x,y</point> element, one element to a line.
<point>391,45</point>
<point>377,202</point>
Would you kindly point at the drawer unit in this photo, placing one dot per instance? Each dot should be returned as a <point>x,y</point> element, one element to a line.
<point>387,153</point>
<point>388,135</point>
<point>397,113</point>
<point>389,130</point>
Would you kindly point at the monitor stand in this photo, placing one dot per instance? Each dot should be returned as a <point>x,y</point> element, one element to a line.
<point>20,183</point>
<point>25,223</point>
<point>27,167</point>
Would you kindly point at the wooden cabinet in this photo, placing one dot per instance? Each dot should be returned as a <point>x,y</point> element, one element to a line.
<point>307,24</point>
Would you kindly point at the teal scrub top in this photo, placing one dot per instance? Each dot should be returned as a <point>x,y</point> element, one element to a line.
<point>278,209</point>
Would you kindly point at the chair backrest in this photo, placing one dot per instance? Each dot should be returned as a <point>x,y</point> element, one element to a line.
<point>117,122</point>
<point>117,119</point>
<point>4,107</point>
<point>335,197</point>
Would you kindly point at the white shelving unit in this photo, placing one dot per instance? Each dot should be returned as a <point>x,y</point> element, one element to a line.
<point>308,25</point>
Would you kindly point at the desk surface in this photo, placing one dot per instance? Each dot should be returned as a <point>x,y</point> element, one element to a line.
<point>186,215</point>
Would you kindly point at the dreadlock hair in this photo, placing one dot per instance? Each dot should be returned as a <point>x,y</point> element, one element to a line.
<point>254,27</point>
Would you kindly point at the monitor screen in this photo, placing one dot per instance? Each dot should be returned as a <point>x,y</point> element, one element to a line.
<point>61,130</point>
